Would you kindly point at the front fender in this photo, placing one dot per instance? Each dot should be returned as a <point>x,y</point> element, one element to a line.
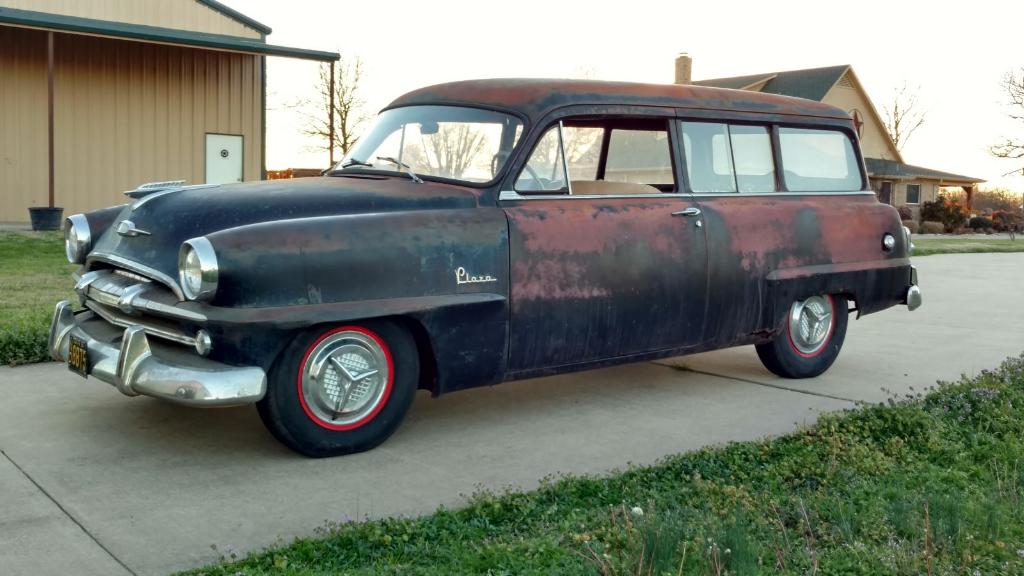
<point>445,269</point>
<point>362,257</point>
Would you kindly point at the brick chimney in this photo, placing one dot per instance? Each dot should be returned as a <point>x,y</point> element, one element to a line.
<point>684,65</point>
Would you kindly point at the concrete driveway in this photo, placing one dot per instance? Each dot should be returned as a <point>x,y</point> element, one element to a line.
<point>92,482</point>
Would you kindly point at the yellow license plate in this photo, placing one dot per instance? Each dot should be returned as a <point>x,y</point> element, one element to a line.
<point>78,357</point>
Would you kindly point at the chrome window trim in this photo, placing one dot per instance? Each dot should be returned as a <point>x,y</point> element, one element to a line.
<point>138,269</point>
<point>565,161</point>
<point>511,195</point>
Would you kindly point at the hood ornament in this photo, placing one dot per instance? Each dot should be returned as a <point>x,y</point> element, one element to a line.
<point>127,228</point>
<point>153,190</point>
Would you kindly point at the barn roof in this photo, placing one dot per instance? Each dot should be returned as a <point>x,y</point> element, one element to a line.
<point>140,32</point>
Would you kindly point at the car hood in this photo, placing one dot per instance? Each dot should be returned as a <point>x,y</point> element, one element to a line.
<point>171,218</point>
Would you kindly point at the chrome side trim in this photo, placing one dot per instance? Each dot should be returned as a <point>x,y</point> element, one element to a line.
<point>510,195</point>
<point>138,269</point>
<point>134,366</point>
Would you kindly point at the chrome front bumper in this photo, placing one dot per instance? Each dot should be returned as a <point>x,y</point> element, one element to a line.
<point>913,296</point>
<point>132,364</point>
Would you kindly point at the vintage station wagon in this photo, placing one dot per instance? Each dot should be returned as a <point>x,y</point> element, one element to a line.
<point>486,231</point>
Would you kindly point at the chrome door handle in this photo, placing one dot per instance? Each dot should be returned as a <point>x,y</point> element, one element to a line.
<point>688,212</point>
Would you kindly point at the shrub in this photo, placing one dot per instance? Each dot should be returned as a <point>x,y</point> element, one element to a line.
<point>943,209</point>
<point>906,213</point>
<point>980,223</point>
<point>911,225</point>
<point>1003,221</point>
<point>931,227</point>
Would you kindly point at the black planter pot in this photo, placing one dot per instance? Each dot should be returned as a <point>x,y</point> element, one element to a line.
<point>44,218</point>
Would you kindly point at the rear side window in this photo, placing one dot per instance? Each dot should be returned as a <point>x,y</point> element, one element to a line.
<point>728,158</point>
<point>818,161</point>
<point>639,156</point>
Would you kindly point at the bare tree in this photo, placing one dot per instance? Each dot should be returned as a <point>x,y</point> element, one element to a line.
<point>903,115</point>
<point>1013,148</point>
<point>348,104</point>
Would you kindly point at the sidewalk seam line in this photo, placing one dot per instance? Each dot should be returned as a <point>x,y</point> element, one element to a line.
<point>756,383</point>
<point>66,513</point>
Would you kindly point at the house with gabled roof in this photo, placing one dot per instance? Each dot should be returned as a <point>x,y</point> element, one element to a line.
<point>895,181</point>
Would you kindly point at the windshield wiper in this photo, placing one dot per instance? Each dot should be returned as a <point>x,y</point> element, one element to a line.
<point>355,162</point>
<point>408,169</point>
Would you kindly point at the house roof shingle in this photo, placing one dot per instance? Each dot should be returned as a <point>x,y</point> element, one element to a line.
<point>809,83</point>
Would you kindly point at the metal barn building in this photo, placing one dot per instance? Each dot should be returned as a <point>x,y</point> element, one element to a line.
<point>97,97</point>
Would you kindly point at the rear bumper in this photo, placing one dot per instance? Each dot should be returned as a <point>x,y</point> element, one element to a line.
<point>912,298</point>
<point>134,365</point>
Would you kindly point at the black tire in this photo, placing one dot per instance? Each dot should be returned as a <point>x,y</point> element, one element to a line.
<point>295,417</point>
<point>784,358</point>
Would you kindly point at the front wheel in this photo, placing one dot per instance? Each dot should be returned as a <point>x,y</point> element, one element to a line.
<point>341,390</point>
<point>810,339</point>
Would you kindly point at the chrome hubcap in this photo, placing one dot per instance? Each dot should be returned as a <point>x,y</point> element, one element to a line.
<point>345,378</point>
<point>810,324</point>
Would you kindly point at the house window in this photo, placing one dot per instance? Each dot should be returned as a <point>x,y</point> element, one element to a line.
<point>913,193</point>
<point>885,192</point>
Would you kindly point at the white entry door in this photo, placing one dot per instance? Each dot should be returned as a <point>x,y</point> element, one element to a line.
<point>223,158</point>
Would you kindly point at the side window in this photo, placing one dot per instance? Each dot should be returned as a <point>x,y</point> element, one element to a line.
<point>583,150</point>
<point>752,156</point>
<point>818,161</point>
<point>708,157</point>
<point>544,170</point>
<point>607,157</point>
<point>640,157</point>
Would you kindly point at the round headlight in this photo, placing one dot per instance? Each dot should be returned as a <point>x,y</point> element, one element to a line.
<point>197,269</point>
<point>77,238</point>
<point>888,242</point>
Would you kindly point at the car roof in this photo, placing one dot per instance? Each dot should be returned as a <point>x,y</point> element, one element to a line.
<point>534,98</point>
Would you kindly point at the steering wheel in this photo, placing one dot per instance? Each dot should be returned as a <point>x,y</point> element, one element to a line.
<point>544,183</point>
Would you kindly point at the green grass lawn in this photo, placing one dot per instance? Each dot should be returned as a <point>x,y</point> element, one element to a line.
<point>954,245</point>
<point>34,276</point>
<point>926,484</point>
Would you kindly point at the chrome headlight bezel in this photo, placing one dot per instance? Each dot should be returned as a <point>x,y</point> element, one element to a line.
<point>197,269</point>
<point>77,238</point>
<point>909,237</point>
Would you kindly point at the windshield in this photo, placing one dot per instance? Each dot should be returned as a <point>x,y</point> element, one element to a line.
<point>443,141</point>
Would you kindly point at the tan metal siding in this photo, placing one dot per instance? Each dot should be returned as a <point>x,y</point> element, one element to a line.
<point>176,14</point>
<point>128,113</point>
<point>23,137</point>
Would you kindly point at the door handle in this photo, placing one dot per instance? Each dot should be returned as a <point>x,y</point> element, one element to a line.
<point>688,212</point>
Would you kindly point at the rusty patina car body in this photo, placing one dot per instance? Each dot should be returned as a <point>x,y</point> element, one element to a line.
<point>488,283</point>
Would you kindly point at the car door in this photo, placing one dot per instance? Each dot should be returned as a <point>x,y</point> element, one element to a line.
<point>610,261</point>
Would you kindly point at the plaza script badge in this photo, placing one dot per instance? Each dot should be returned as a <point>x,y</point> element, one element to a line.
<point>463,277</point>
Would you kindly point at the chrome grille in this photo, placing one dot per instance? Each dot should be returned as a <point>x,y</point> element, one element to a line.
<point>124,299</point>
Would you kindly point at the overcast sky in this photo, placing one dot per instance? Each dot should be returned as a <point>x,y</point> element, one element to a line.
<point>956,55</point>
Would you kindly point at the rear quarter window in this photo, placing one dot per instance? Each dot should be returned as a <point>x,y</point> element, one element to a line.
<point>819,161</point>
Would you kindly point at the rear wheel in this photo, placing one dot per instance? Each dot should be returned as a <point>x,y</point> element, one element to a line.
<point>810,339</point>
<point>341,390</point>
